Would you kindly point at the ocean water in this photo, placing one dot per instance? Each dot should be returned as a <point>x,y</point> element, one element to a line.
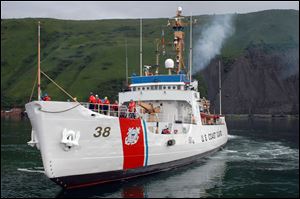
<point>261,159</point>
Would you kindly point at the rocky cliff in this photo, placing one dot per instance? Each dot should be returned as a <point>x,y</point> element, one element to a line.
<point>263,80</point>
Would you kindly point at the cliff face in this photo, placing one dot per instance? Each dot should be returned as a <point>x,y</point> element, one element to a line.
<point>261,81</point>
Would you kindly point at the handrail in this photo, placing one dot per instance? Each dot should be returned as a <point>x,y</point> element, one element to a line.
<point>111,110</point>
<point>122,111</point>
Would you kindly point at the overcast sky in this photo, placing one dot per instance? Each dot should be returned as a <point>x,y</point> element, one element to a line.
<point>85,10</point>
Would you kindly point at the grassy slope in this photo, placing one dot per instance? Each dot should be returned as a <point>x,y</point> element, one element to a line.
<point>277,28</point>
<point>84,56</point>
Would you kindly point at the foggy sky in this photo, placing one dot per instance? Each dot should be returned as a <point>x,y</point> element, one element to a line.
<point>88,10</point>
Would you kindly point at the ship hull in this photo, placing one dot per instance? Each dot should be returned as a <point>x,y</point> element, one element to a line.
<point>108,148</point>
<point>79,181</point>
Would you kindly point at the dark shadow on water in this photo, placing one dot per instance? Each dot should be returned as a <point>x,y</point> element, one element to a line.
<point>121,189</point>
<point>131,188</point>
<point>99,190</point>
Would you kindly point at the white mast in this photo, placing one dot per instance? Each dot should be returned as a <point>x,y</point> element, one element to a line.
<point>220,91</point>
<point>39,65</point>
<point>126,62</point>
<point>191,46</point>
<point>141,49</point>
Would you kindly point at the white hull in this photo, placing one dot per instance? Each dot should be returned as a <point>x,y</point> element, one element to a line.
<point>96,154</point>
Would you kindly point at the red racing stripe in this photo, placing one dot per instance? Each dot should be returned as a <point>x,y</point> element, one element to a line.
<point>133,143</point>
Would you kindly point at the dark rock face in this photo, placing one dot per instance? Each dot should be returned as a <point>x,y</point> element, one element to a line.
<point>258,82</point>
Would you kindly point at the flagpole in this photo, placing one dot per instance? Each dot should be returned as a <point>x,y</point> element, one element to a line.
<point>126,62</point>
<point>220,89</point>
<point>39,63</point>
<point>141,49</point>
<point>191,47</point>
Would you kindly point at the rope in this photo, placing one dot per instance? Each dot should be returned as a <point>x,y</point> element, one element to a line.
<point>59,87</point>
<point>64,92</point>
<point>32,90</point>
<point>60,111</point>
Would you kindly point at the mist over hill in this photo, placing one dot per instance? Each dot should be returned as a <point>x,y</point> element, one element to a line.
<point>259,56</point>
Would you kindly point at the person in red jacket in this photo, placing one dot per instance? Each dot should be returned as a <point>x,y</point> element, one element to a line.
<point>166,131</point>
<point>46,97</point>
<point>92,101</point>
<point>105,106</point>
<point>131,109</point>
<point>100,104</point>
<point>96,108</point>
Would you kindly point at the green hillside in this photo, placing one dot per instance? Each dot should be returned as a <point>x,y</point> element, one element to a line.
<point>274,28</point>
<point>84,56</point>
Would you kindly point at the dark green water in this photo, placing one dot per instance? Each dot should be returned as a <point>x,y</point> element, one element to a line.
<point>261,159</point>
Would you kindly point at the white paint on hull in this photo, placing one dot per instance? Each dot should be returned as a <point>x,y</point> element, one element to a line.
<point>102,154</point>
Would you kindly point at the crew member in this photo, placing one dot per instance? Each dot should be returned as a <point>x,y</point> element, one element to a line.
<point>106,105</point>
<point>97,103</point>
<point>92,101</point>
<point>131,109</point>
<point>165,131</point>
<point>46,97</point>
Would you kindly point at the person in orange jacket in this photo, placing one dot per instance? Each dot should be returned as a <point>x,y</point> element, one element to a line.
<point>97,99</point>
<point>131,109</point>
<point>105,106</point>
<point>99,104</point>
<point>92,101</point>
<point>46,97</point>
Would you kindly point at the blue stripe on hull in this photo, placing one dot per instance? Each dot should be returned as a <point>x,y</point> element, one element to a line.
<point>146,143</point>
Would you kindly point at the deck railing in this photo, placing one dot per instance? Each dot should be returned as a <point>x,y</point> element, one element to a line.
<point>110,109</point>
<point>123,111</point>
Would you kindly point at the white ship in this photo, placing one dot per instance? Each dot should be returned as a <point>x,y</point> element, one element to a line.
<point>170,127</point>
